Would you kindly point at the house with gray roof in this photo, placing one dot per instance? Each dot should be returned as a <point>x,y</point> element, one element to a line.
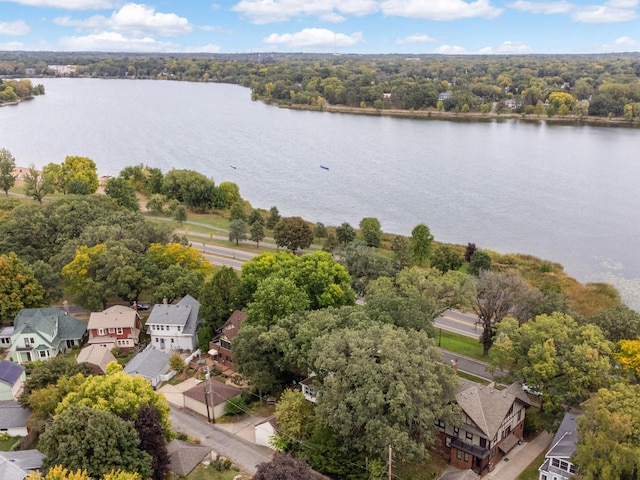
<point>185,456</point>
<point>97,357</point>
<point>151,364</point>
<point>175,327</point>
<point>492,423</point>
<point>17,465</point>
<point>557,462</point>
<point>13,419</point>
<point>12,377</point>
<point>42,333</point>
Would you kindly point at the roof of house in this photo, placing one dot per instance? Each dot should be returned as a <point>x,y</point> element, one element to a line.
<point>12,415</point>
<point>96,355</point>
<point>486,406</point>
<point>564,442</point>
<point>113,317</point>
<point>6,332</point>
<point>460,475</point>
<point>269,420</point>
<point>185,456</point>
<point>148,364</point>
<point>184,313</point>
<point>232,326</point>
<point>51,322</point>
<point>221,392</point>
<point>16,465</point>
<point>10,372</point>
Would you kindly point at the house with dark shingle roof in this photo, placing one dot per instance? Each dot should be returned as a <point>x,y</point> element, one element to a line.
<point>492,423</point>
<point>42,333</point>
<point>185,456</point>
<point>557,462</point>
<point>12,377</point>
<point>13,419</point>
<point>208,394</point>
<point>175,327</point>
<point>17,465</point>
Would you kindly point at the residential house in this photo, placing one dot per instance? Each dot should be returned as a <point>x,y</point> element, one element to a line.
<point>151,364</point>
<point>175,327</point>
<point>307,388</point>
<point>220,346</point>
<point>42,333</point>
<point>204,395</point>
<point>13,419</point>
<point>185,456</point>
<point>117,326</point>
<point>12,377</point>
<point>97,357</point>
<point>511,104</point>
<point>17,465</point>
<point>265,431</point>
<point>557,462</point>
<point>5,337</point>
<point>442,96</point>
<point>492,424</point>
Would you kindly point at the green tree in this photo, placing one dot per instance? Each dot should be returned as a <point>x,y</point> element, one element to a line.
<point>256,233</point>
<point>401,247</point>
<point>319,230</point>
<point>345,234</point>
<point>294,415</point>
<point>18,287</point>
<point>44,401</point>
<point>479,262</point>
<point>274,218</point>
<point>365,265</point>
<point>275,298</point>
<point>122,192</point>
<point>371,231</point>
<point>237,211</point>
<point>256,217</point>
<point>152,440</point>
<point>237,231</point>
<point>97,441</point>
<point>175,282</point>
<point>36,185</point>
<point>80,172</point>
<point>177,363</point>
<point>220,296</point>
<point>618,323</point>
<point>445,258</point>
<point>156,203</point>
<point>7,164</point>
<point>292,233</point>
<point>383,385</point>
<point>496,295</point>
<point>421,240</point>
<point>330,244</point>
<point>180,214</point>
<point>45,374</point>
<point>607,444</point>
<point>230,193</point>
<point>283,467</point>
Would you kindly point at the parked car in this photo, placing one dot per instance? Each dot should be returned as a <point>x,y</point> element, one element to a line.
<point>531,390</point>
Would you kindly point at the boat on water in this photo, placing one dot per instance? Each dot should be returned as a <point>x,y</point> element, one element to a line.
<point>324,167</point>
<point>233,166</point>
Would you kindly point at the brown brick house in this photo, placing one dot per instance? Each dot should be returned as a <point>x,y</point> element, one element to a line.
<point>221,343</point>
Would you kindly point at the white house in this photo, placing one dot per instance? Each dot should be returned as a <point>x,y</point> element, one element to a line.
<point>174,327</point>
<point>12,377</point>
<point>557,462</point>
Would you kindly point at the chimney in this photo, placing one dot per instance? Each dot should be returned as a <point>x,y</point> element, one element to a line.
<point>135,306</point>
<point>65,307</point>
<point>165,301</point>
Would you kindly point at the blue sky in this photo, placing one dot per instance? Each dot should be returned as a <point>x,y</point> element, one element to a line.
<point>325,26</point>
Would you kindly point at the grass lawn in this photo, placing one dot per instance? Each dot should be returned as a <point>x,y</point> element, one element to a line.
<point>461,344</point>
<point>421,470</point>
<point>473,378</point>
<point>207,472</point>
<point>531,472</point>
<point>5,445</point>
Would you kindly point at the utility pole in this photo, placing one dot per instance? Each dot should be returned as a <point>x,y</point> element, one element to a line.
<point>390,474</point>
<point>211,419</point>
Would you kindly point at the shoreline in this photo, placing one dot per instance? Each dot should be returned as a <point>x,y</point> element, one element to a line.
<point>471,117</point>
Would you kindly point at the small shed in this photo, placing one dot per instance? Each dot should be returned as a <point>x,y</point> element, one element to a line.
<point>185,456</point>
<point>13,419</point>
<point>97,357</point>
<point>265,431</point>
<point>204,395</point>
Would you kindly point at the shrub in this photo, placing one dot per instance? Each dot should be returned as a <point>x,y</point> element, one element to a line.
<point>236,406</point>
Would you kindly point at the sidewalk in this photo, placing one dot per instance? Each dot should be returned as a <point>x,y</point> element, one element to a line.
<point>520,458</point>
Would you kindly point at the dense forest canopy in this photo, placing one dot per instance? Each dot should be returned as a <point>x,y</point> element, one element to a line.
<point>598,85</point>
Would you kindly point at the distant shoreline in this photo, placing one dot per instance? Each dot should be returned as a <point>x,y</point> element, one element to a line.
<point>472,117</point>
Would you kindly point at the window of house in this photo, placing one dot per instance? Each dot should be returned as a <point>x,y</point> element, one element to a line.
<point>469,435</point>
<point>119,330</point>
<point>555,462</point>
<point>172,340</point>
<point>439,423</point>
<point>456,431</point>
<point>226,345</point>
<point>43,354</point>
<point>572,468</point>
<point>179,328</point>
<point>111,329</point>
<point>458,454</point>
<point>466,457</point>
<point>447,441</point>
<point>483,442</point>
<point>32,340</point>
<point>101,331</point>
<point>544,476</point>
<point>519,414</point>
<point>157,339</point>
<point>27,343</point>
<point>564,465</point>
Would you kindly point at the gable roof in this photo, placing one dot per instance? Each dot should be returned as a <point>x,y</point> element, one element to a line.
<point>221,392</point>
<point>52,323</point>
<point>113,317</point>
<point>564,442</point>
<point>96,355</point>
<point>184,313</point>
<point>10,372</point>
<point>16,465</point>
<point>486,406</point>
<point>185,456</point>
<point>232,326</point>
<point>148,364</point>
<point>12,415</point>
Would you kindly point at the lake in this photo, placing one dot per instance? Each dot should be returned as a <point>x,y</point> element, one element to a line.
<point>567,194</point>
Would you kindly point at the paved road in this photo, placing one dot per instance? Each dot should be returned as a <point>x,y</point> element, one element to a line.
<point>242,453</point>
<point>469,365</point>
<point>459,322</point>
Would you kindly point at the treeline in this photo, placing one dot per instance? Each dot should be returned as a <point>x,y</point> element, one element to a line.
<point>15,90</point>
<point>599,85</point>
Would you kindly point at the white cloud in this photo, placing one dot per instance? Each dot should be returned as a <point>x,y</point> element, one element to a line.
<point>504,48</point>
<point>450,50</point>
<point>209,48</point>
<point>547,8</point>
<point>621,44</point>
<point>69,4</point>
<point>613,11</point>
<point>116,42</point>
<point>12,46</point>
<point>442,10</point>
<point>310,38</point>
<point>14,29</point>
<point>416,38</point>
<point>269,11</point>
<point>133,19</point>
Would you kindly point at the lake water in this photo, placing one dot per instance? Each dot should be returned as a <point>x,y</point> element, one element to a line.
<point>567,194</point>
